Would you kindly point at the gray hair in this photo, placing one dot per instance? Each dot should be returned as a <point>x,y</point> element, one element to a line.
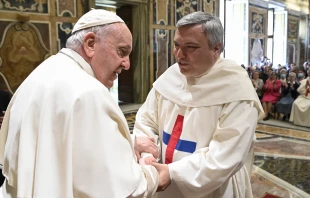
<point>211,26</point>
<point>75,41</point>
<point>292,74</point>
<point>283,70</point>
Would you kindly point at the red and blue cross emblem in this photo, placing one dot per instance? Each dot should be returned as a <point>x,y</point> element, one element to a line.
<point>174,142</point>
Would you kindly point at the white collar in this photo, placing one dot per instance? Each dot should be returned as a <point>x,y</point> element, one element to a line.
<point>78,59</point>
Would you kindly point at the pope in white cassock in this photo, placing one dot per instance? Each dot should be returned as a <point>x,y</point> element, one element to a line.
<point>203,112</point>
<point>63,135</point>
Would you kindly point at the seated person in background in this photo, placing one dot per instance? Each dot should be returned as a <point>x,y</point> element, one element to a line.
<point>301,75</point>
<point>251,70</point>
<point>263,74</point>
<point>294,69</point>
<point>300,114</point>
<point>278,70</point>
<point>283,75</point>
<point>271,94</point>
<point>258,84</point>
<point>289,94</point>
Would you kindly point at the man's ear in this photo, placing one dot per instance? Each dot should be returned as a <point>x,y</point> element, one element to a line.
<point>89,44</point>
<point>217,48</point>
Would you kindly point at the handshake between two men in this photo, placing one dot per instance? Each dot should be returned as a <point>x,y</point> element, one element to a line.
<point>147,152</point>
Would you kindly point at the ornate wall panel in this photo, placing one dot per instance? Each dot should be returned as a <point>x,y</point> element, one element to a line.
<point>258,21</point>
<point>185,7</point>
<point>211,7</point>
<point>257,46</point>
<point>30,31</point>
<point>44,30</point>
<point>162,51</point>
<point>292,28</point>
<point>308,37</point>
<point>257,34</point>
<point>162,12</point>
<point>3,25</point>
<point>162,22</point>
<point>291,52</point>
<point>303,39</point>
<point>21,50</point>
<point>66,8</point>
<point>297,5</point>
<point>64,31</point>
<point>292,38</point>
<point>33,6</point>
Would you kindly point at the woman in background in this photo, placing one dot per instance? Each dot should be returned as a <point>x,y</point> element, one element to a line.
<point>258,84</point>
<point>271,94</point>
<point>301,75</point>
<point>289,93</point>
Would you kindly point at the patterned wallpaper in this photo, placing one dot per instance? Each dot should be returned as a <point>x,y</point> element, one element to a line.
<point>32,6</point>
<point>31,31</point>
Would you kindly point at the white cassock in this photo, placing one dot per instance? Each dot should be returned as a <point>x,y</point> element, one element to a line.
<point>300,114</point>
<point>206,128</point>
<point>64,136</point>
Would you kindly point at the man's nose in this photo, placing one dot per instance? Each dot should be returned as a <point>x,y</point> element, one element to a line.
<point>179,53</point>
<point>126,63</point>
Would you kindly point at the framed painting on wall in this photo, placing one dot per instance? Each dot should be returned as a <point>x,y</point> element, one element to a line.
<point>256,51</point>
<point>291,52</point>
<point>292,28</point>
<point>211,7</point>
<point>258,21</point>
<point>185,7</point>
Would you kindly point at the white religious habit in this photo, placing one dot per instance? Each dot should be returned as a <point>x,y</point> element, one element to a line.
<point>205,127</point>
<point>300,114</point>
<point>64,136</point>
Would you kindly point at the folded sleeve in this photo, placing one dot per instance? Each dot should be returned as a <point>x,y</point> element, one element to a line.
<point>103,158</point>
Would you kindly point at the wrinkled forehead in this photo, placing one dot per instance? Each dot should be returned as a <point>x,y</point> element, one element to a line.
<point>120,32</point>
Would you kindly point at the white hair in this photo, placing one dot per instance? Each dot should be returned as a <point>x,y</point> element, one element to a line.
<point>75,41</point>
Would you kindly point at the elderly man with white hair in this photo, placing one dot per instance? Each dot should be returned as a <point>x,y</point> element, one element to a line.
<point>63,135</point>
